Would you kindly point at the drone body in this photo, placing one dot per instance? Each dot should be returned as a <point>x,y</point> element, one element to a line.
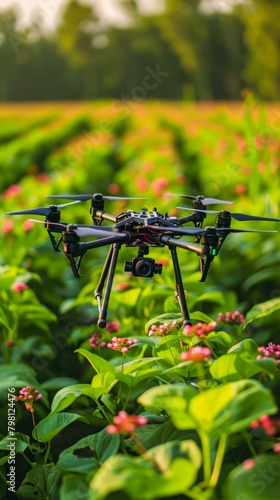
<point>141,230</point>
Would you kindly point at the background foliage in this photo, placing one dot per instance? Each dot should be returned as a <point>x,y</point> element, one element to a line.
<point>209,52</point>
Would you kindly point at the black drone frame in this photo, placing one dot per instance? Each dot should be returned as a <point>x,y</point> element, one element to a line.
<point>140,230</point>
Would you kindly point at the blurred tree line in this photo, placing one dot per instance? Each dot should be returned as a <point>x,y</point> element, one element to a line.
<point>184,51</point>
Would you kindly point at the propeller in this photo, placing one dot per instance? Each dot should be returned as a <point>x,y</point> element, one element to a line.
<point>46,211</point>
<point>203,200</point>
<point>64,226</point>
<point>236,216</point>
<point>208,229</point>
<point>90,231</point>
<point>79,230</point>
<point>86,197</point>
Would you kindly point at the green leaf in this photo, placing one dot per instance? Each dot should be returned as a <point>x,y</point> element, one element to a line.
<point>169,469</point>
<point>20,440</point>
<point>89,453</point>
<point>55,423</point>
<point>6,317</point>
<point>248,346</point>
<point>102,384</point>
<point>164,454</point>
<point>168,348</point>
<point>200,316</point>
<point>167,398</point>
<point>261,310</point>
<point>58,383</point>
<point>222,339</point>
<point>261,482</point>
<point>221,410</point>
<point>137,364</point>
<point>230,408</point>
<point>18,375</point>
<point>41,483</point>
<point>99,364</point>
<point>241,362</point>
<point>32,313</point>
<point>74,483</point>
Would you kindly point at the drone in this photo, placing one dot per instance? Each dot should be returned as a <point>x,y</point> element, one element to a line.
<point>143,231</point>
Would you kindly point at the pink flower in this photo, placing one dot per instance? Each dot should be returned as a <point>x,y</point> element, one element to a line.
<point>43,178</point>
<point>268,424</point>
<point>12,191</point>
<point>159,185</point>
<point>19,287</point>
<point>196,354</point>
<point>95,340</point>
<point>28,395</point>
<point>240,188</point>
<point>200,329</point>
<point>10,343</point>
<point>235,318</point>
<point>113,189</point>
<point>163,329</point>
<point>276,448</point>
<point>7,226</point>
<point>112,327</point>
<point>121,344</point>
<point>141,184</point>
<point>125,424</point>
<point>271,351</point>
<point>123,286</point>
<point>27,225</point>
<point>249,464</point>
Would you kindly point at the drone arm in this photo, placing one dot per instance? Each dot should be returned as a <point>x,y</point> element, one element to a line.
<point>168,240</point>
<point>98,216</point>
<point>116,238</point>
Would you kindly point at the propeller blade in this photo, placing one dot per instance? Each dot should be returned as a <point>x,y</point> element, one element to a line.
<point>233,230</point>
<point>234,215</point>
<point>213,201</point>
<point>203,200</point>
<point>90,231</point>
<point>45,211</point>
<point>242,217</point>
<point>209,229</point>
<point>64,226</point>
<point>86,197</point>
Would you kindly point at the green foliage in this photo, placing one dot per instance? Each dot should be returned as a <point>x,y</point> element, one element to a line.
<point>203,439</point>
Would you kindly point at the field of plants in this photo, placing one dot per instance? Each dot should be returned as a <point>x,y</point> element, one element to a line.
<point>146,408</point>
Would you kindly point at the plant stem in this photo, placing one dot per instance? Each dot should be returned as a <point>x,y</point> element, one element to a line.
<point>208,344</point>
<point>219,461</point>
<point>206,452</point>
<point>32,464</point>
<point>103,412</point>
<point>35,430</point>
<point>249,444</point>
<point>170,350</point>
<point>200,376</point>
<point>47,452</point>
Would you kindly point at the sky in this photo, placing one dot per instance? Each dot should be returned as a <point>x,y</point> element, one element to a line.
<point>47,11</point>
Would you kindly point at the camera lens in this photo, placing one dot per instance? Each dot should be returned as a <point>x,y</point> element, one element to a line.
<point>144,268</point>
